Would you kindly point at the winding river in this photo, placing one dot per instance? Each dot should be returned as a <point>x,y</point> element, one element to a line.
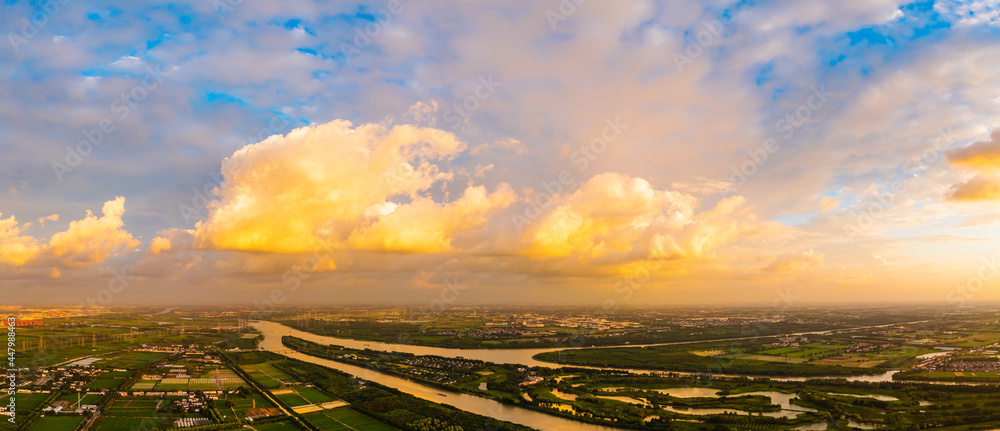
<point>272,333</point>
<point>470,403</point>
<point>516,356</point>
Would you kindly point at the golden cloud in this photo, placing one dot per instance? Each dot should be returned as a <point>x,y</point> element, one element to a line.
<point>159,245</point>
<point>335,186</point>
<point>93,238</point>
<point>983,155</point>
<point>977,188</point>
<point>15,249</point>
<point>984,158</point>
<point>89,240</point>
<point>796,262</point>
<point>614,218</point>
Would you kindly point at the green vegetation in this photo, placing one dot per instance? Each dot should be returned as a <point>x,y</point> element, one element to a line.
<point>57,423</point>
<point>378,402</point>
<point>344,419</point>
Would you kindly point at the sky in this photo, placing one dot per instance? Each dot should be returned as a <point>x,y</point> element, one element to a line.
<point>599,153</point>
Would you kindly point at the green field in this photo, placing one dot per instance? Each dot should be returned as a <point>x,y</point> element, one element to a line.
<point>276,426</point>
<point>26,402</point>
<point>86,399</point>
<point>241,405</point>
<point>57,423</point>
<point>118,423</point>
<point>144,385</point>
<point>130,360</point>
<point>103,383</point>
<point>134,407</point>
<point>172,384</point>
<point>345,418</point>
<point>314,395</point>
<point>268,376</point>
<point>302,396</point>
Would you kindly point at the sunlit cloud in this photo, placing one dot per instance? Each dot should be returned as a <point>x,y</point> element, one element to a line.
<point>983,158</point>
<point>87,241</point>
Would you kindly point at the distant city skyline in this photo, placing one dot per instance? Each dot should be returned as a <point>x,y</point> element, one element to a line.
<point>604,154</point>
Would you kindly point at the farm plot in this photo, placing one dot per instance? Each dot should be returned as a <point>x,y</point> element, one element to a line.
<point>267,375</point>
<point>345,418</point>
<point>172,384</point>
<point>302,396</point>
<point>57,423</point>
<point>144,385</point>
<point>26,402</point>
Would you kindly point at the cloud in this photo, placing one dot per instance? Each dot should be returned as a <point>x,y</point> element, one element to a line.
<point>829,203</point>
<point>15,249</point>
<point>53,217</point>
<point>796,262</point>
<point>87,241</point>
<point>338,186</point>
<point>982,157</point>
<point>615,218</point>
<point>509,144</point>
<point>94,239</point>
<point>977,188</point>
<point>159,245</point>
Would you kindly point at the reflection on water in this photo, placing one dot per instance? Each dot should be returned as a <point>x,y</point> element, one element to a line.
<point>641,401</point>
<point>689,392</point>
<point>873,396</point>
<point>563,395</point>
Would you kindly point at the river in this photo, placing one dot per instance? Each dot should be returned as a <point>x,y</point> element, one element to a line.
<point>470,403</point>
<point>514,356</point>
<point>272,333</point>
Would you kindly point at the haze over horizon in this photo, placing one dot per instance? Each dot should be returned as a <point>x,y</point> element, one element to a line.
<point>615,154</point>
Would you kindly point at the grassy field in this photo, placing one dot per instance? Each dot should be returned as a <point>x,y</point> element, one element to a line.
<point>277,426</point>
<point>300,396</point>
<point>102,383</point>
<point>57,423</point>
<point>345,418</point>
<point>134,407</point>
<point>130,360</point>
<point>26,402</point>
<point>314,395</point>
<point>267,375</point>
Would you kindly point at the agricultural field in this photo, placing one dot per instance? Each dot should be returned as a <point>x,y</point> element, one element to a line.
<point>267,376</point>
<point>232,405</point>
<point>285,425</point>
<point>75,400</point>
<point>117,423</point>
<point>25,402</point>
<point>144,385</point>
<point>301,395</point>
<point>345,418</point>
<point>140,412</point>
<point>134,407</point>
<point>57,423</point>
<point>213,379</point>
<point>109,380</point>
<point>130,359</point>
